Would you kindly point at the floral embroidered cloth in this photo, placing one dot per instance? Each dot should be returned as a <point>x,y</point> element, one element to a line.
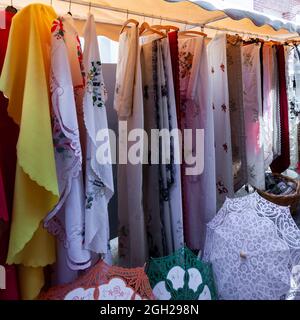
<point>236,110</point>
<point>175,191</point>
<point>220,106</point>
<point>156,235</point>
<point>253,115</point>
<point>161,180</point>
<point>99,186</point>
<point>67,219</point>
<point>104,282</point>
<point>199,190</point>
<point>25,81</point>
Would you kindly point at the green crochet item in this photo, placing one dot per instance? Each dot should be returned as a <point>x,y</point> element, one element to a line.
<point>159,268</point>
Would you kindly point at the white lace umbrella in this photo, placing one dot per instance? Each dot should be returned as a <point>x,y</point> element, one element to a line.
<point>253,246</point>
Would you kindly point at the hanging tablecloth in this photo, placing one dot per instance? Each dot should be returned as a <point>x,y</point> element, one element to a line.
<point>253,115</point>
<point>199,190</point>
<point>25,81</point>
<point>282,163</point>
<point>220,105</point>
<point>236,110</point>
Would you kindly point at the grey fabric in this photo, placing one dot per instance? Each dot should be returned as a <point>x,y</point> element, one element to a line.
<point>235,87</point>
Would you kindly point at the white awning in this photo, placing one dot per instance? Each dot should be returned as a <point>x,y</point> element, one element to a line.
<point>214,15</point>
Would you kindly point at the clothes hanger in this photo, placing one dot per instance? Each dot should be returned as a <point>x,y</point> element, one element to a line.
<point>145,27</point>
<point>127,22</point>
<point>11,8</point>
<point>198,33</point>
<point>167,28</point>
<point>70,8</point>
<point>191,32</point>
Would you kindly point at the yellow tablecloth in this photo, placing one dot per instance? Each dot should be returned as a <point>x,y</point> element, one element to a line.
<point>25,81</point>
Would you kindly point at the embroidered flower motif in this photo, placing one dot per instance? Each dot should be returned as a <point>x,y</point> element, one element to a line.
<point>98,190</point>
<point>80,294</point>
<point>178,282</point>
<point>221,188</point>
<point>248,61</point>
<point>58,29</point>
<point>224,108</point>
<point>95,84</point>
<point>116,289</point>
<point>222,66</point>
<point>294,108</point>
<point>185,63</point>
<point>60,142</point>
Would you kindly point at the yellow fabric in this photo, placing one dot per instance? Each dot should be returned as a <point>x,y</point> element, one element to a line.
<point>25,81</point>
<point>31,278</point>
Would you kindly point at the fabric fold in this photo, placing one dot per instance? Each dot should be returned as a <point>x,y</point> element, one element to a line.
<point>25,81</point>
<point>125,75</point>
<point>66,220</point>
